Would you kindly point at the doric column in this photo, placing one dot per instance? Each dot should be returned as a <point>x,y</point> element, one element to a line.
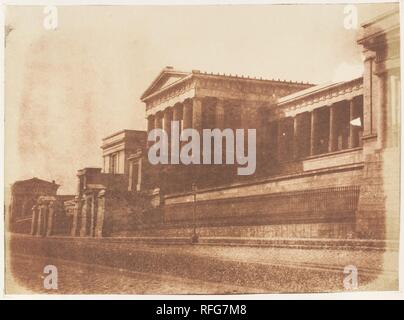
<point>369,118</point>
<point>382,123</point>
<point>280,140</point>
<point>42,220</point>
<point>34,222</point>
<point>352,130</point>
<point>76,217</point>
<point>220,124</point>
<point>150,123</point>
<point>187,114</point>
<point>158,120</point>
<point>150,127</point>
<point>84,216</point>
<point>51,218</point>
<point>167,116</point>
<point>178,113</point>
<point>139,175</point>
<point>197,114</point>
<point>219,114</point>
<point>99,227</point>
<point>313,129</point>
<point>296,133</point>
<point>332,141</point>
<point>93,213</point>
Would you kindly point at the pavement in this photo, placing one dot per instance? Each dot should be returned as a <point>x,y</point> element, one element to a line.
<point>88,266</point>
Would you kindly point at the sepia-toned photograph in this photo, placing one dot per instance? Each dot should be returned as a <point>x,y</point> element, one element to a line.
<point>202,149</point>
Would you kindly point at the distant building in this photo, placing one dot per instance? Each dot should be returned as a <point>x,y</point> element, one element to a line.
<point>24,195</point>
<point>117,148</point>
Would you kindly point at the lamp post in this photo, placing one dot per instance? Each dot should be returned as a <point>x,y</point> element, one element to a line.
<point>194,238</point>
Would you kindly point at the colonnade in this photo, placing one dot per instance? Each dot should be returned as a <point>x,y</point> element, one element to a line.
<point>322,130</point>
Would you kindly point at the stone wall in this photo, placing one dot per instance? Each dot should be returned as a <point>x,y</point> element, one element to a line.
<point>316,203</point>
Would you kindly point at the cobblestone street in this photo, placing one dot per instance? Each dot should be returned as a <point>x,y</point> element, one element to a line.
<point>74,277</point>
<point>108,267</point>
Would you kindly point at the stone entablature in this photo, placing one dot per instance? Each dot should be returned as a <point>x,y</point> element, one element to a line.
<point>319,120</point>
<point>318,96</point>
<point>201,84</point>
<point>373,37</point>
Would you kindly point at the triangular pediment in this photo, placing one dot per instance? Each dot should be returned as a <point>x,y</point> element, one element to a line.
<point>166,78</point>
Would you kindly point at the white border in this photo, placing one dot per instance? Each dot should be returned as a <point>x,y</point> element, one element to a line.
<point>310,296</point>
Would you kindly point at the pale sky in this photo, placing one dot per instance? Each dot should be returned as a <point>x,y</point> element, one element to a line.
<point>68,88</point>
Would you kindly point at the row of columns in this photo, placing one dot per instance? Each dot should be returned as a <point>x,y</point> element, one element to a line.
<point>321,130</point>
<point>189,113</point>
<point>43,218</point>
<point>317,132</point>
<point>354,110</point>
<point>89,214</point>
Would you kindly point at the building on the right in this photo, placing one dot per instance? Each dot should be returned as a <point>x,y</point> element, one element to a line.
<point>327,155</point>
<point>379,203</point>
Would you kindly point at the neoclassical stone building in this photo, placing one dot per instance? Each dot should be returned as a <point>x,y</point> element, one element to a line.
<point>36,208</point>
<point>327,157</point>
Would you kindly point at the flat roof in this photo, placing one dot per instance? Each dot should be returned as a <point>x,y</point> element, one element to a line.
<point>313,90</point>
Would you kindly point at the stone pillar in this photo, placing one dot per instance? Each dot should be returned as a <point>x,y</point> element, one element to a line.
<point>139,175</point>
<point>295,138</point>
<point>187,114</point>
<point>313,129</point>
<point>150,123</point>
<point>150,127</point>
<point>177,116</point>
<point>178,113</point>
<point>352,129</point>
<point>76,217</point>
<point>332,141</point>
<point>220,124</point>
<point>42,220</point>
<point>197,114</point>
<point>23,207</point>
<point>158,120</point>
<point>219,114</point>
<point>93,223</point>
<point>368,114</point>
<point>99,226</point>
<point>34,222</point>
<point>80,185</point>
<point>168,117</point>
<point>50,218</point>
<point>84,216</point>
